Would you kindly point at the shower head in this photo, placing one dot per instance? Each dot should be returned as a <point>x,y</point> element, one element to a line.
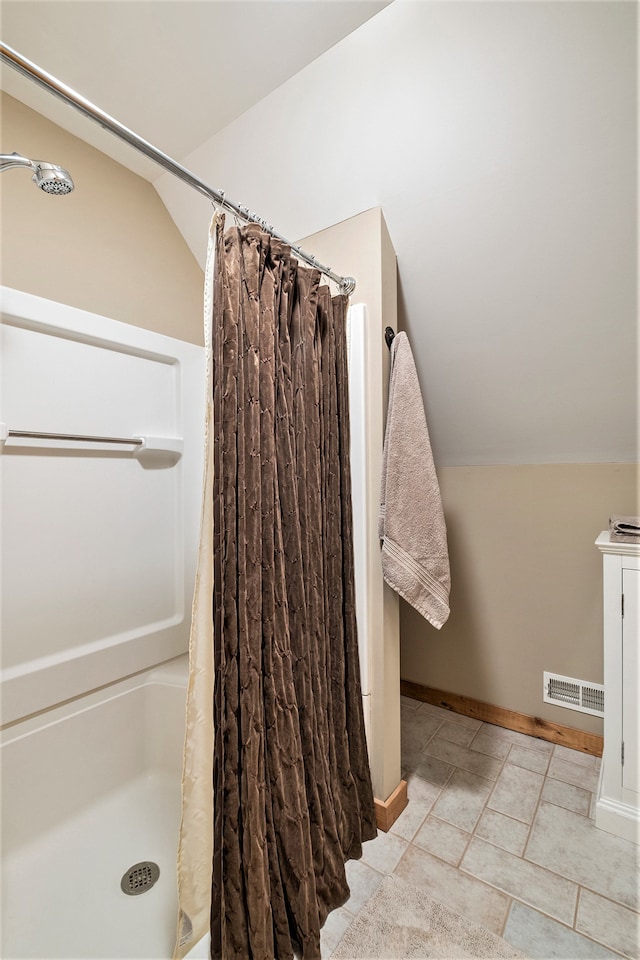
<point>52,179</point>
<point>49,177</point>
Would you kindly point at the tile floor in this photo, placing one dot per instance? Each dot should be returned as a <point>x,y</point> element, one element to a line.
<point>500,828</point>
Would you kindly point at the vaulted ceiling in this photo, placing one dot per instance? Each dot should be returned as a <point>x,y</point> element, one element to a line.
<point>173,71</point>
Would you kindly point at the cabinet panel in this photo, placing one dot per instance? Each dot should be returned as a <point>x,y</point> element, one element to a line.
<point>618,804</point>
<point>630,679</point>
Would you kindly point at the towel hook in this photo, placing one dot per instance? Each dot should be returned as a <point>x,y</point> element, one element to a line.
<point>389,334</point>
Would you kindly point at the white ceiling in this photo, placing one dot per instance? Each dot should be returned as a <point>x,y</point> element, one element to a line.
<point>173,71</point>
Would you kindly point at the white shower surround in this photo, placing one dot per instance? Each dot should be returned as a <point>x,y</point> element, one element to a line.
<point>98,550</point>
<point>91,786</point>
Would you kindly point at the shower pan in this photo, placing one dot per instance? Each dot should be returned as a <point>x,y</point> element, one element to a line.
<point>110,766</point>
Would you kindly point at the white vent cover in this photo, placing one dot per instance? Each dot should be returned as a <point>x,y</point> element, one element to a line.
<point>574,694</point>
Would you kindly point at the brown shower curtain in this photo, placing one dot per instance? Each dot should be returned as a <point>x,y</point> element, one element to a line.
<point>292,788</point>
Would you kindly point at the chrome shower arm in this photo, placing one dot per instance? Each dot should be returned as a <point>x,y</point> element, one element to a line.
<point>8,160</point>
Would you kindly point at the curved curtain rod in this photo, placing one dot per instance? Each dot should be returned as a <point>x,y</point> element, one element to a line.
<point>35,73</point>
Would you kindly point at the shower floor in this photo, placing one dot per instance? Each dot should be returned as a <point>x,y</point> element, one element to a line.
<point>61,893</point>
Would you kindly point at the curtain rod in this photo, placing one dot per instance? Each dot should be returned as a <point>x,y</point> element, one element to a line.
<point>35,73</point>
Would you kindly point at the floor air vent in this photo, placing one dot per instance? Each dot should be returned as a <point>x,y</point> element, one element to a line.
<point>574,694</point>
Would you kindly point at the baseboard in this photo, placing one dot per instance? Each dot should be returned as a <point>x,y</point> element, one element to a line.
<point>388,811</point>
<point>501,717</point>
<point>618,818</point>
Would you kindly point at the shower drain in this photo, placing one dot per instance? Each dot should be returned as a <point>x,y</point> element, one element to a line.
<point>139,878</point>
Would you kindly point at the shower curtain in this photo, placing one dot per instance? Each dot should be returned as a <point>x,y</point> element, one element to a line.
<point>292,794</point>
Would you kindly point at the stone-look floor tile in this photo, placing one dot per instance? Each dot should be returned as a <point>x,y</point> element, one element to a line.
<point>529,759</point>
<point>567,796</point>
<point>419,789</point>
<point>574,756</point>
<point>412,818</point>
<point>588,857</point>
<point>428,709</point>
<point>416,729</point>
<point>542,938</point>
<point>407,759</point>
<point>516,793</point>
<point>406,763</point>
<point>442,840</point>
<point>363,882</point>
<point>469,722</point>
<point>575,773</point>
<point>496,747</point>
<point>421,796</point>
<point>452,717</point>
<point>430,768</point>
<point>456,732</point>
<point>459,892</point>
<point>609,923</point>
<point>335,927</point>
<point>463,799</point>
<point>409,703</point>
<point>505,832</point>
<point>465,759</point>
<point>384,852</point>
<point>539,888</point>
<point>530,743</point>
<point>571,845</point>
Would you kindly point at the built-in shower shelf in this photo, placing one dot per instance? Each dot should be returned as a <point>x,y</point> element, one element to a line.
<point>148,450</point>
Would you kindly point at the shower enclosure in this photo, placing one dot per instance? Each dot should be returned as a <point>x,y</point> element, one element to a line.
<point>102,461</point>
<point>100,515</point>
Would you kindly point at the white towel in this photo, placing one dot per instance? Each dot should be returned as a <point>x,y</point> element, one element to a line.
<point>415,559</point>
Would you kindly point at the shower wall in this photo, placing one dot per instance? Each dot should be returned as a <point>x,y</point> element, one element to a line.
<point>99,537</point>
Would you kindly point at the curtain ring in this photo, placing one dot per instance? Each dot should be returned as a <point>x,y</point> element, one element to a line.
<point>218,203</point>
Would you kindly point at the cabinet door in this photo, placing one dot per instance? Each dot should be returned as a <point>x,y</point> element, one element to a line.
<point>630,679</point>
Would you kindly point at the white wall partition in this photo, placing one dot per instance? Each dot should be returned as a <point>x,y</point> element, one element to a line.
<point>99,539</point>
<point>358,410</point>
<point>361,247</point>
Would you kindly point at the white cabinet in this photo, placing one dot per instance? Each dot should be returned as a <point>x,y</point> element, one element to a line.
<point>618,805</point>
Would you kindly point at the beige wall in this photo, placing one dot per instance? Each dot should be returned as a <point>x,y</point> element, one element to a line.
<point>526,583</point>
<point>109,247</point>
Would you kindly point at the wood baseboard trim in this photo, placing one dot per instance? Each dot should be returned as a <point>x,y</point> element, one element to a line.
<point>388,811</point>
<point>521,722</point>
